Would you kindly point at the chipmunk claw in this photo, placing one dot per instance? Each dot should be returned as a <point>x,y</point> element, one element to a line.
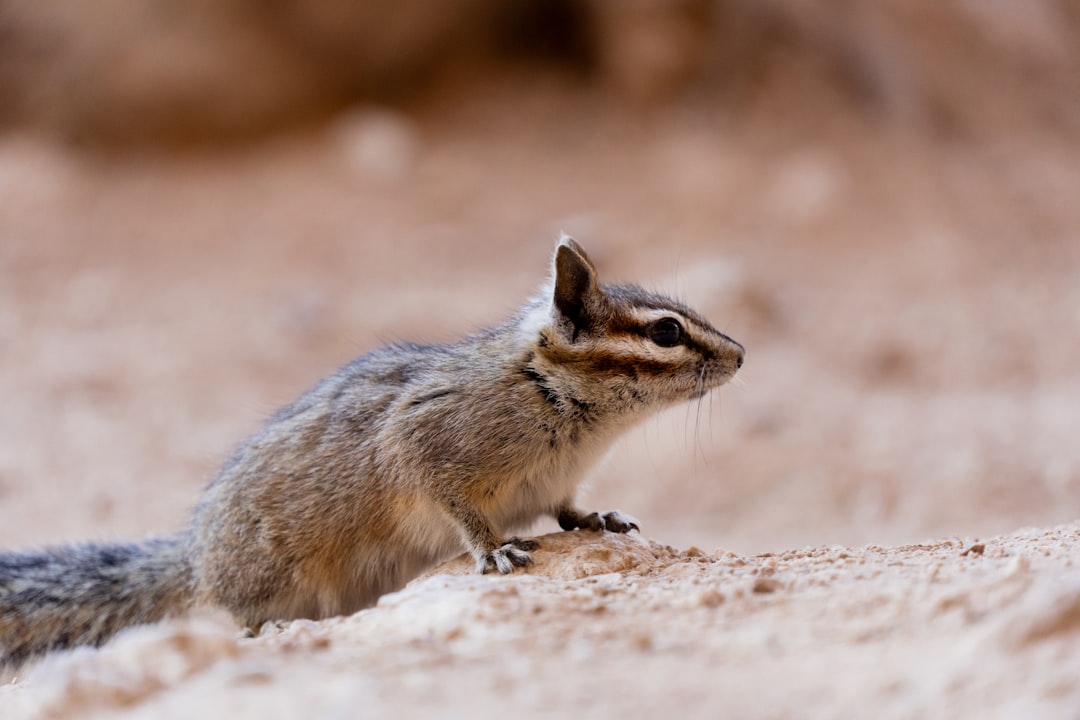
<point>618,522</point>
<point>613,521</point>
<point>513,553</point>
<point>592,521</point>
<point>523,543</point>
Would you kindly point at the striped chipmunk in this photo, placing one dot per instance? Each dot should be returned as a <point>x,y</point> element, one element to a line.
<point>401,459</point>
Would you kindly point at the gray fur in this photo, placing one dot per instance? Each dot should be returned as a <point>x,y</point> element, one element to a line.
<point>84,594</point>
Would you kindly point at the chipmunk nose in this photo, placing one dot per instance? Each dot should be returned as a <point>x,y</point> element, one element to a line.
<point>740,353</point>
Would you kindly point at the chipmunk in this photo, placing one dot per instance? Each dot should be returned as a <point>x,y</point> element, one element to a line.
<point>397,461</point>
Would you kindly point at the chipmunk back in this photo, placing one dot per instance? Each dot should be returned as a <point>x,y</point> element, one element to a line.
<point>401,459</point>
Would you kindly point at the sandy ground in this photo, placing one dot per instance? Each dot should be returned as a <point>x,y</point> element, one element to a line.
<point>624,627</point>
<point>910,307</point>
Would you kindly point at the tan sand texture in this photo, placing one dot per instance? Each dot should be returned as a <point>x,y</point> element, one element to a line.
<point>625,626</point>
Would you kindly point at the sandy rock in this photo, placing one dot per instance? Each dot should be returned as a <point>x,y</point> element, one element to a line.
<point>617,622</point>
<point>576,555</point>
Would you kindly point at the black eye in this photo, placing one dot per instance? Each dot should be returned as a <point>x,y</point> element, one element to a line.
<point>666,332</point>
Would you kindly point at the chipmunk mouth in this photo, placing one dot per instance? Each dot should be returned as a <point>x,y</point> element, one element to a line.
<point>714,373</point>
<point>705,388</point>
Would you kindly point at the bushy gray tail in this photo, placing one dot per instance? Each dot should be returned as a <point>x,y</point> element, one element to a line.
<point>84,594</point>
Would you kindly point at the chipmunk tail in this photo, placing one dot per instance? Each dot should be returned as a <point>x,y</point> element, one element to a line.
<point>84,594</point>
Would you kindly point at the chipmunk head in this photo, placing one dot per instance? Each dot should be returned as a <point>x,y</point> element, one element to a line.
<point>620,347</point>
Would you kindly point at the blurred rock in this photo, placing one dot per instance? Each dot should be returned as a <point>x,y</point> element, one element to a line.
<point>650,50</point>
<point>123,72</point>
<point>378,145</point>
<point>805,187</point>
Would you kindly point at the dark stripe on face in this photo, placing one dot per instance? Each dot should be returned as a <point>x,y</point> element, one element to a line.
<point>637,297</point>
<point>626,325</point>
<point>601,362</point>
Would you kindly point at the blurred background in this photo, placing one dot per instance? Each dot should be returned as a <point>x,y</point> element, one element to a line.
<point>207,205</point>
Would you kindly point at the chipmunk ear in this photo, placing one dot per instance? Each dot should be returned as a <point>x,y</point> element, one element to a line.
<point>576,289</point>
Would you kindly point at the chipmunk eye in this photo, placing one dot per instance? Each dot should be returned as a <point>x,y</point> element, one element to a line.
<point>666,332</point>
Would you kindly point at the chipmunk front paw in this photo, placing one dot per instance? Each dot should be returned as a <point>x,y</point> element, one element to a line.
<point>618,522</point>
<point>513,553</point>
<point>613,521</point>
